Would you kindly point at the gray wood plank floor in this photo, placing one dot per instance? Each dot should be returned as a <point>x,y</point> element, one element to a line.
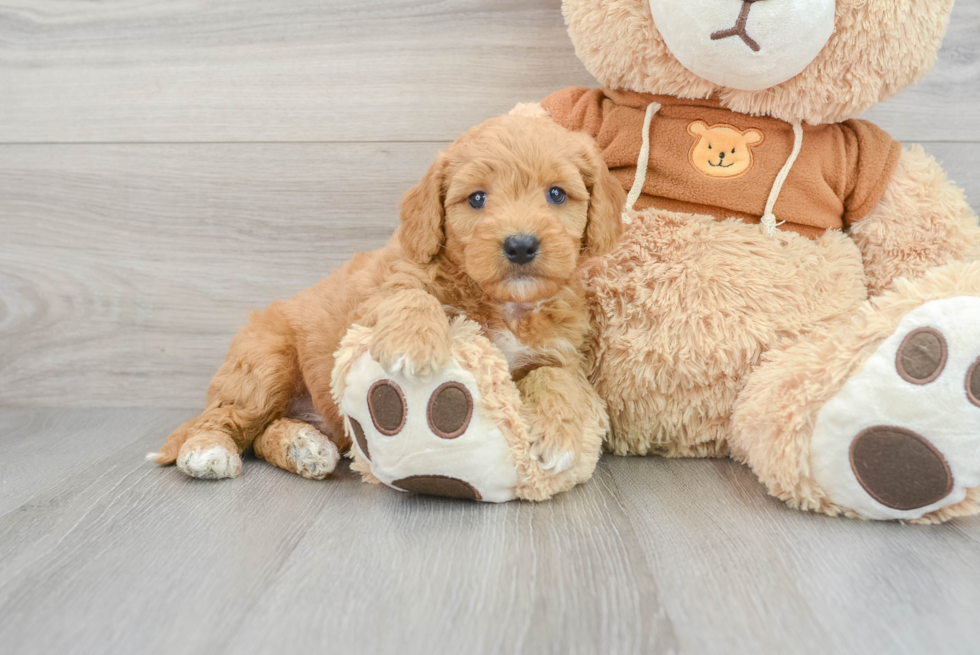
<point>101,552</point>
<point>166,166</point>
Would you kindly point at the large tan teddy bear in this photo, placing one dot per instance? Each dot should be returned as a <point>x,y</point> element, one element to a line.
<point>795,289</point>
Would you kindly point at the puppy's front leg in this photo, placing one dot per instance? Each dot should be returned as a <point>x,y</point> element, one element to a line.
<point>566,418</point>
<point>411,334</point>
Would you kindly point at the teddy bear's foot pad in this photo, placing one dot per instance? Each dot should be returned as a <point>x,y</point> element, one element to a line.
<point>902,437</point>
<point>900,468</point>
<point>438,485</point>
<point>427,436</point>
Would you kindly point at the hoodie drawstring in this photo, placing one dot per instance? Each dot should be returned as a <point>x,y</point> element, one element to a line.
<point>642,162</point>
<point>769,221</point>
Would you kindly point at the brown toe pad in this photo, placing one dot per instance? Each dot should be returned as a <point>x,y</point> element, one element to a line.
<point>973,383</point>
<point>450,410</point>
<point>361,438</point>
<point>386,403</point>
<point>438,485</point>
<point>922,356</point>
<point>899,468</point>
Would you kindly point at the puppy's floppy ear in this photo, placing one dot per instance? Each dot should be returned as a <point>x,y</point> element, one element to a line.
<point>422,215</point>
<point>606,202</point>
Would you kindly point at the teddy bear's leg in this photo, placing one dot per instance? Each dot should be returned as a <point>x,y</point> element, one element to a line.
<point>297,447</point>
<point>880,417</point>
<point>922,221</point>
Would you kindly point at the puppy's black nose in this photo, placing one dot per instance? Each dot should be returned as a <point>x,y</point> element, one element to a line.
<point>521,248</point>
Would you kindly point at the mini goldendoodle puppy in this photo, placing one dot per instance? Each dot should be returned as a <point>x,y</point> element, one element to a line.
<point>497,230</point>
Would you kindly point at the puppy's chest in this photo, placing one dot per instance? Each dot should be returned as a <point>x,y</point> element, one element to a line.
<point>520,356</point>
<point>526,338</point>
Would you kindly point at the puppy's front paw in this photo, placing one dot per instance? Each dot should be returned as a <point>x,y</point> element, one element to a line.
<point>411,335</point>
<point>419,355</point>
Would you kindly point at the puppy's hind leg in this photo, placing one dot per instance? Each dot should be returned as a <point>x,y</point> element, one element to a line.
<point>297,447</point>
<point>251,389</point>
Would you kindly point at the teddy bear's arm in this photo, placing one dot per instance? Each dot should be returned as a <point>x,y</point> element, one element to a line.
<point>921,221</point>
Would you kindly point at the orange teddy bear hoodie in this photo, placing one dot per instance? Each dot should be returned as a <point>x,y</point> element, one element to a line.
<point>706,159</point>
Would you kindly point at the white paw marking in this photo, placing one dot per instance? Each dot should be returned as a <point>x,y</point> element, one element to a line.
<point>877,395</point>
<point>211,463</point>
<point>398,364</point>
<point>402,365</point>
<point>555,460</point>
<point>315,456</point>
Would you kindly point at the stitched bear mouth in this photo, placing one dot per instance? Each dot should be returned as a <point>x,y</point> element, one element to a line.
<point>740,29</point>
<point>721,164</point>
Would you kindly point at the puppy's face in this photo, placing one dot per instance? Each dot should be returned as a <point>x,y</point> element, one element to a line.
<point>516,211</point>
<point>520,200</point>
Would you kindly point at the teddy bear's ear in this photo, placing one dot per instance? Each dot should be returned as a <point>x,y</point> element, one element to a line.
<point>753,137</point>
<point>698,128</point>
<point>606,201</point>
<point>422,214</point>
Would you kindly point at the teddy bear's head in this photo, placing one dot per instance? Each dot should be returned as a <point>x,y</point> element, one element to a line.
<point>820,61</point>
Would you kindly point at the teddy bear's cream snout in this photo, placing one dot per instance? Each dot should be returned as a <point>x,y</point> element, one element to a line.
<point>743,44</point>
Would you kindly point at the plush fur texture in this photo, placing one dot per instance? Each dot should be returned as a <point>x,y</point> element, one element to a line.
<point>447,255</point>
<point>922,221</point>
<point>879,47</point>
<point>672,365</point>
<point>774,415</point>
<point>713,339</point>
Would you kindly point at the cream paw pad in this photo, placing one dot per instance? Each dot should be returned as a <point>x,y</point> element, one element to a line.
<point>458,433</point>
<point>902,438</point>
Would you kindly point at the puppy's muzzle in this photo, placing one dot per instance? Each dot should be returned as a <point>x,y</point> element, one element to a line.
<point>521,248</point>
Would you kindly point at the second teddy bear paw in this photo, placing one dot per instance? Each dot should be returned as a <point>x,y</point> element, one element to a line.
<point>427,436</point>
<point>902,437</point>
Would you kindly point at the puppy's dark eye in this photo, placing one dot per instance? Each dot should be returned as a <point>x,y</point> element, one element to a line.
<point>478,200</point>
<point>556,196</point>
